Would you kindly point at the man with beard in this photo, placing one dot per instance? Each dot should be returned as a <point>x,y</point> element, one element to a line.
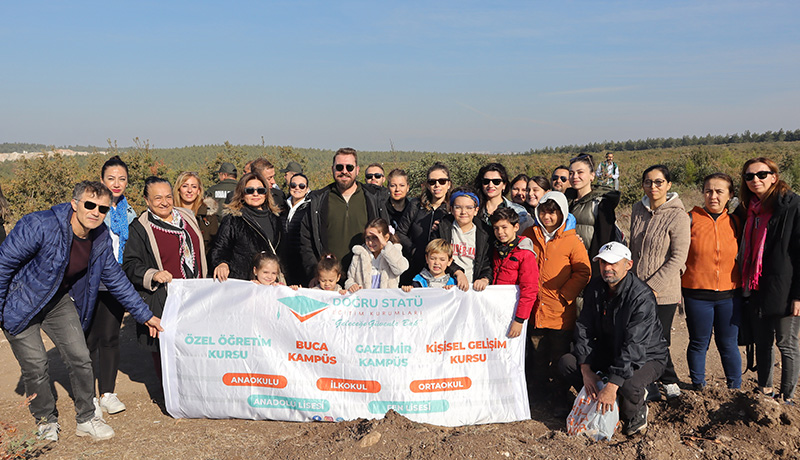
<point>619,336</point>
<point>338,213</point>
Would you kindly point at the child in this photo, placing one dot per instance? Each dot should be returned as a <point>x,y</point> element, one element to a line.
<point>328,273</point>
<point>564,270</point>
<point>469,238</point>
<point>438,256</point>
<point>266,269</point>
<point>378,263</point>
<point>514,262</point>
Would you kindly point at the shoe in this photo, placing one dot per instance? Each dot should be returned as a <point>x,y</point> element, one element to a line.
<point>672,390</point>
<point>651,393</point>
<point>638,424</point>
<point>96,428</point>
<point>48,431</point>
<point>111,404</point>
<point>699,387</point>
<point>98,411</point>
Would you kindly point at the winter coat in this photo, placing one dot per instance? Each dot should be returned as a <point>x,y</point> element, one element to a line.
<point>711,261</point>
<point>564,270</point>
<point>637,335</point>
<point>525,219</point>
<point>240,238</point>
<point>392,265</point>
<point>482,265</point>
<point>415,231</point>
<point>595,218</point>
<point>289,249</point>
<point>34,258</point>
<point>208,222</point>
<point>660,241</point>
<point>519,268</point>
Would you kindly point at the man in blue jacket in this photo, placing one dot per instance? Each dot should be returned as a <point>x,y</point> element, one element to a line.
<point>51,265</point>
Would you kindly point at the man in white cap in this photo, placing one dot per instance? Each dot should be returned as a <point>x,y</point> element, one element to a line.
<point>619,336</point>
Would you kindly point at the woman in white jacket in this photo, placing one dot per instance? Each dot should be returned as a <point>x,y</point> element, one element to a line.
<point>379,262</point>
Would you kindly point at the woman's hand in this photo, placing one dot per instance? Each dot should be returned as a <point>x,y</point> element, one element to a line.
<point>221,272</point>
<point>162,277</point>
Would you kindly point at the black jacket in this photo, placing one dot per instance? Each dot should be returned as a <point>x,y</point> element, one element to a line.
<point>313,228</point>
<point>292,264</point>
<point>240,238</point>
<point>780,273</point>
<point>415,231</point>
<point>637,335</point>
<point>482,266</point>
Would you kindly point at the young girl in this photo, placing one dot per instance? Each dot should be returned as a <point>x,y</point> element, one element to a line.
<point>379,263</point>
<point>328,273</point>
<point>267,269</point>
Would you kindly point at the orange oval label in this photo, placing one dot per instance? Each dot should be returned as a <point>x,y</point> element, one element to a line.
<point>448,384</point>
<point>353,386</point>
<point>254,380</point>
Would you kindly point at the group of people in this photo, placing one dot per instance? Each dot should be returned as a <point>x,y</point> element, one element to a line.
<point>596,307</point>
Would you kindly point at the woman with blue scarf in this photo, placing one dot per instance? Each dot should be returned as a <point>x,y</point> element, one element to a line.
<point>102,338</point>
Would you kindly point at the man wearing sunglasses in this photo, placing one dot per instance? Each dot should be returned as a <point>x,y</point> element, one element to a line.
<point>50,258</point>
<point>375,175</point>
<point>559,181</point>
<point>338,213</point>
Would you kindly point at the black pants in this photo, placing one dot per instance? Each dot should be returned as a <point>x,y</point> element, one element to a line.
<point>665,314</point>
<point>631,393</point>
<point>546,347</point>
<point>102,339</point>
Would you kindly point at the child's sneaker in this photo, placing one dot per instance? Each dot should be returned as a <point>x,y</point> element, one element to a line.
<point>111,404</point>
<point>96,428</point>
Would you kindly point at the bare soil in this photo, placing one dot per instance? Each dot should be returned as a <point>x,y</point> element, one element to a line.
<point>714,424</point>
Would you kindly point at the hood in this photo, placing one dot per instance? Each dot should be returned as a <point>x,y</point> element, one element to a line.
<point>672,202</point>
<point>211,205</point>
<point>563,206</point>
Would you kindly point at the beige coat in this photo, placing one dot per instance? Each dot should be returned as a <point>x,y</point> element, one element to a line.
<point>392,265</point>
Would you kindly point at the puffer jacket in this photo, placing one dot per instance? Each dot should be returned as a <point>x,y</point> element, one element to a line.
<point>33,259</point>
<point>564,270</point>
<point>391,266</point>
<point>519,268</point>
<point>289,248</point>
<point>240,238</point>
<point>596,221</point>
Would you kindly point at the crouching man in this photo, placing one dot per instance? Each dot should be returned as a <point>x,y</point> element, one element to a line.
<point>619,335</point>
<point>51,266</point>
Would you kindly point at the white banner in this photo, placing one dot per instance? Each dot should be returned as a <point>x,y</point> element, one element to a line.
<point>240,350</point>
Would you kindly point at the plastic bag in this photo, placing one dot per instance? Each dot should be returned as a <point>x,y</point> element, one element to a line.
<point>586,419</point>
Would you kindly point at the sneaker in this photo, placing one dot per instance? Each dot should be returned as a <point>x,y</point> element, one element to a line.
<point>638,424</point>
<point>98,411</point>
<point>111,404</point>
<point>672,390</point>
<point>698,387</point>
<point>48,431</point>
<point>96,428</point>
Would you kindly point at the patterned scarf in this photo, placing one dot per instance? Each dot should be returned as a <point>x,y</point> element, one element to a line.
<point>504,249</point>
<point>177,227</point>
<point>755,237</point>
<point>118,224</point>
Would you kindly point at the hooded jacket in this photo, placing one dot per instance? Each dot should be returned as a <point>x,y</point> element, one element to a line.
<point>33,259</point>
<point>564,270</point>
<point>392,265</point>
<point>660,241</point>
<point>520,268</point>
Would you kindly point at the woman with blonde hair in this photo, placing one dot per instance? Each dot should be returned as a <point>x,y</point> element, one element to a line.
<point>188,193</point>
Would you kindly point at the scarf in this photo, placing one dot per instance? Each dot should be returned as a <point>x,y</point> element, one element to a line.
<point>177,227</point>
<point>118,224</point>
<point>504,249</point>
<point>755,237</point>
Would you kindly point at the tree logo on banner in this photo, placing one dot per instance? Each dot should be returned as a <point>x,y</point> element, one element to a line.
<point>302,307</point>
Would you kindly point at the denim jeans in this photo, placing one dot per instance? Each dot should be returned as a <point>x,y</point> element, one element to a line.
<point>723,317</point>
<point>59,320</point>
<point>781,331</point>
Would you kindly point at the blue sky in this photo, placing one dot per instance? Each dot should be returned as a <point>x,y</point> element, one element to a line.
<point>443,76</point>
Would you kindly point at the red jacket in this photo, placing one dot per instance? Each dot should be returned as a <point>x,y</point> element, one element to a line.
<point>519,268</point>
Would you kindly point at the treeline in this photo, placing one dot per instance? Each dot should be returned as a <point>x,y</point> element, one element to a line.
<point>19,147</point>
<point>671,142</point>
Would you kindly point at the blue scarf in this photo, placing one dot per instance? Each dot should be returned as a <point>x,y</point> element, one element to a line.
<point>119,224</point>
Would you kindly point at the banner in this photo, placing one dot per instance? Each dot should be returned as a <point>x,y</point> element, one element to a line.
<point>241,350</point>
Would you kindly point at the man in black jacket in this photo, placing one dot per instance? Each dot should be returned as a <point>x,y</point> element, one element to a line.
<point>338,213</point>
<point>619,335</point>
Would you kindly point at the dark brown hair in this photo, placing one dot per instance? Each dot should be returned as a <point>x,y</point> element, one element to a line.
<point>778,188</point>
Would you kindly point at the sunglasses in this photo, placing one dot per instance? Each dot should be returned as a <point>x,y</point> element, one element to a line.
<point>89,205</point>
<point>255,191</point>
<point>492,181</point>
<point>341,168</point>
<point>649,183</point>
<point>373,175</point>
<point>301,185</point>
<point>442,181</point>
<point>761,175</point>
<point>560,178</point>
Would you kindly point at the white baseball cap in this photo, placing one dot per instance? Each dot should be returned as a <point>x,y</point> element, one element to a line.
<point>613,252</point>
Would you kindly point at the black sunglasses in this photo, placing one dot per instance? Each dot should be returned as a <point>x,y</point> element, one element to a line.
<point>89,205</point>
<point>561,178</point>
<point>341,168</point>
<point>492,181</point>
<point>442,181</point>
<point>375,175</point>
<point>301,185</point>
<point>255,191</point>
<point>761,175</point>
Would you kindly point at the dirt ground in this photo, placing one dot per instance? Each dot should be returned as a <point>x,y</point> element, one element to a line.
<point>715,424</point>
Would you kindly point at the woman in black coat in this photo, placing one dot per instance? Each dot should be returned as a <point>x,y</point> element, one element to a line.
<point>251,225</point>
<point>291,220</point>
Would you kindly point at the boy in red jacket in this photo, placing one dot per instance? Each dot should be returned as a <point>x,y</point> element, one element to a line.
<point>513,262</point>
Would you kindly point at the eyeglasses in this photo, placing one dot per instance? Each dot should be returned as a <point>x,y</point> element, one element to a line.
<point>341,168</point>
<point>761,175</point>
<point>255,191</point>
<point>486,181</point>
<point>442,181</point>
<point>561,178</point>
<point>301,185</point>
<point>89,205</point>
<point>373,175</point>
<point>649,183</point>
<point>463,208</point>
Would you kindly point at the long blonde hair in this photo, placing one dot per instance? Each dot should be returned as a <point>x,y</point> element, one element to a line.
<point>176,195</point>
